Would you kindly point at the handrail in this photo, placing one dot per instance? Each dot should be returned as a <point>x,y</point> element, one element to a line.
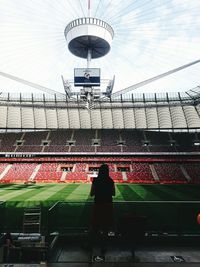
<point>130,201</point>
<point>53,206</point>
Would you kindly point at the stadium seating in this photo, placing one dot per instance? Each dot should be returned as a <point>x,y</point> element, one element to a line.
<point>56,148</point>
<point>145,170</point>
<point>8,141</point>
<point>158,138</point>
<point>58,141</point>
<point>193,170</point>
<point>140,172</point>
<point>29,148</point>
<point>34,138</point>
<point>80,167</point>
<point>169,173</point>
<point>109,140</point>
<point>112,167</point>
<point>84,137</point>
<point>82,148</point>
<point>48,172</point>
<point>133,141</point>
<point>19,172</point>
<point>32,141</point>
<point>118,141</point>
<point>76,177</point>
<point>184,141</point>
<point>59,138</point>
<point>116,176</point>
<point>87,149</point>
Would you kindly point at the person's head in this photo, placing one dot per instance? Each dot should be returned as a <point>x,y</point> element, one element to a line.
<point>103,171</point>
<point>8,237</point>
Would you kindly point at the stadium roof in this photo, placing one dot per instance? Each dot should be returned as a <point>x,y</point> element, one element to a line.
<point>136,111</point>
<point>151,37</point>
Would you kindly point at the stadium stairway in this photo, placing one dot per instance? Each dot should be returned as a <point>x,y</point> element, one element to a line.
<point>32,220</point>
<point>124,176</point>
<point>154,173</point>
<point>62,179</point>
<point>34,173</point>
<point>5,171</point>
<point>188,178</point>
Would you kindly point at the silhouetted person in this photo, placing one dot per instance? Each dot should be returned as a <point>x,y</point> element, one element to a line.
<point>103,190</point>
<point>8,244</point>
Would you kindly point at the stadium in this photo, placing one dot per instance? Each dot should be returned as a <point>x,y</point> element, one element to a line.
<point>52,145</point>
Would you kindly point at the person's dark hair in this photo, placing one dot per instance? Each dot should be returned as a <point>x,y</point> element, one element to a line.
<point>8,238</point>
<point>8,235</point>
<point>103,171</point>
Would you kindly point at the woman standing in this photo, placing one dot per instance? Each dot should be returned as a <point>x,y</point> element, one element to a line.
<point>103,190</point>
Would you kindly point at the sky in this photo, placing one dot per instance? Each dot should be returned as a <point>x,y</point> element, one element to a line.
<point>151,37</point>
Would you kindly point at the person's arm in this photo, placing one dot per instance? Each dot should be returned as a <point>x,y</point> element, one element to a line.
<point>92,191</point>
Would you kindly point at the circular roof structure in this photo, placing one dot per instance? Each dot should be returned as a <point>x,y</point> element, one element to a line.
<point>89,34</point>
<point>150,37</point>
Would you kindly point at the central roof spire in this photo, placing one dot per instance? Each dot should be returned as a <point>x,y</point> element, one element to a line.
<point>89,8</point>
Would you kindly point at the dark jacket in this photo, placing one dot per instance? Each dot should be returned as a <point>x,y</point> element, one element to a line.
<point>103,189</point>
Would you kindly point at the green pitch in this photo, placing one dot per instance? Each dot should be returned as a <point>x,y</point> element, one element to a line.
<point>48,194</point>
<point>168,207</point>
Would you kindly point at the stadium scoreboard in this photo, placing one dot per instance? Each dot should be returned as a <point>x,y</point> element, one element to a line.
<point>86,77</point>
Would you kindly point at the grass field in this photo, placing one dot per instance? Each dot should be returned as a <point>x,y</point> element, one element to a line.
<point>48,194</point>
<point>173,207</point>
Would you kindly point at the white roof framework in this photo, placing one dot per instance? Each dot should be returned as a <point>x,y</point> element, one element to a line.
<point>136,111</point>
<point>151,37</point>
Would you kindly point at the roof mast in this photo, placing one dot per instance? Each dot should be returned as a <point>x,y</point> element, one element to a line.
<point>89,14</point>
<point>89,55</point>
<point>88,38</point>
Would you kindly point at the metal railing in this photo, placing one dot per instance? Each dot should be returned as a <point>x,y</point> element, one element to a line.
<point>178,217</point>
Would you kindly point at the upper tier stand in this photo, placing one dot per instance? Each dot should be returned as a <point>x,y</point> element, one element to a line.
<point>89,35</point>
